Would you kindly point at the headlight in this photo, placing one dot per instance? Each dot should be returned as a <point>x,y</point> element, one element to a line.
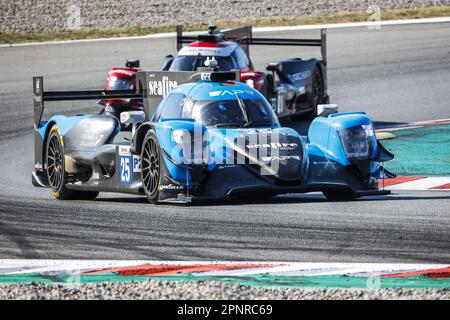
<point>357,141</point>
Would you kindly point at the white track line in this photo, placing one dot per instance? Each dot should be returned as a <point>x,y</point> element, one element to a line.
<point>23,266</point>
<point>355,24</point>
<point>256,30</point>
<point>421,184</point>
<point>73,267</point>
<point>321,269</point>
<point>416,124</point>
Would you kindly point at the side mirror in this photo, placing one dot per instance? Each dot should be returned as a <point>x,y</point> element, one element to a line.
<point>273,67</point>
<point>167,62</point>
<point>132,63</point>
<point>326,109</point>
<point>132,117</point>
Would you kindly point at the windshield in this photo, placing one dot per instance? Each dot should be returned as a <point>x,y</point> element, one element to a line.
<point>233,113</point>
<point>191,63</point>
<point>120,83</point>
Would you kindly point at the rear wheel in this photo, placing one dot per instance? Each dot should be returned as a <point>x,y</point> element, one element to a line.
<point>339,195</point>
<point>317,91</point>
<point>267,89</point>
<point>57,176</point>
<point>151,172</point>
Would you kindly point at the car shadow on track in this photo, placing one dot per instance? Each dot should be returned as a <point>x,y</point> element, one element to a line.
<point>282,199</point>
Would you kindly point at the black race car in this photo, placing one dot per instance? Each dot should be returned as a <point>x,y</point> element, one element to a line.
<point>293,86</point>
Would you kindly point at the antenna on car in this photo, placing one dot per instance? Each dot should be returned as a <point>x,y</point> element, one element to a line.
<point>212,29</point>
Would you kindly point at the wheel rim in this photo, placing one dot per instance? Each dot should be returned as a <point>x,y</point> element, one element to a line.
<point>150,167</point>
<point>55,169</point>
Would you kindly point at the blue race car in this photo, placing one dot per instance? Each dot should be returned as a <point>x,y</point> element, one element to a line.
<point>203,135</point>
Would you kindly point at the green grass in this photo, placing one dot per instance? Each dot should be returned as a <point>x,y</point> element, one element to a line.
<point>410,158</point>
<point>256,280</point>
<point>340,17</point>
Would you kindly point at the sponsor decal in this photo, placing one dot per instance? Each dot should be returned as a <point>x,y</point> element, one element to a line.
<point>299,76</point>
<point>88,140</point>
<point>125,170</point>
<point>228,166</point>
<point>136,163</point>
<point>125,165</point>
<point>205,76</point>
<point>229,92</point>
<point>280,158</point>
<point>37,91</point>
<point>206,51</point>
<point>38,86</point>
<point>161,87</point>
<point>171,187</point>
<point>124,151</point>
<point>273,145</point>
<point>263,131</point>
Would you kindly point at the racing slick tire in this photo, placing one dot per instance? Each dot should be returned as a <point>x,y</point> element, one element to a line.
<point>151,169</point>
<point>267,89</point>
<point>57,176</point>
<point>317,95</point>
<point>339,195</point>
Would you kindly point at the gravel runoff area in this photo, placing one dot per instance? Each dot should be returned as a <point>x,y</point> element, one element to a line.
<point>57,15</point>
<point>211,290</point>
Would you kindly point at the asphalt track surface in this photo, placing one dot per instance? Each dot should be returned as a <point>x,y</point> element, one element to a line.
<point>395,74</point>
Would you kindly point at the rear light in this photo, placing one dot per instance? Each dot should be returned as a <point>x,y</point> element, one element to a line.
<point>254,79</point>
<point>290,105</point>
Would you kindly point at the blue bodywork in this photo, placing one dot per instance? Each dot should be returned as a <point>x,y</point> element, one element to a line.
<point>318,162</point>
<point>64,124</point>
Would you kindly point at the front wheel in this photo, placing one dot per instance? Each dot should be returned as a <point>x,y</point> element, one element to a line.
<point>151,172</point>
<point>56,173</point>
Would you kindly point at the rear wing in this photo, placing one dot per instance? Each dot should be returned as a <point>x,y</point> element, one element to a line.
<point>152,87</point>
<point>244,37</point>
<point>40,97</point>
